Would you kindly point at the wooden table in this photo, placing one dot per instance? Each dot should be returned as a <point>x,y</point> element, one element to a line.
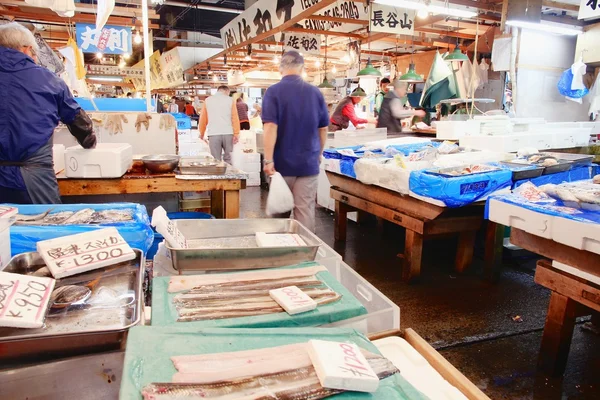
<point>421,219</point>
<point>573,294</point>
<point>225,190</point>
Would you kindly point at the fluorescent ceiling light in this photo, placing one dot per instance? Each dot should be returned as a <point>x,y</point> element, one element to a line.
<point>411,5</point>
<point>106,78</point>
<point>559,29</point>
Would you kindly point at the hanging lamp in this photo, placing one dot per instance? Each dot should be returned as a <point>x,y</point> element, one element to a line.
<point>325,84</point>
<point>411,76</point>
<point>358,92</point>
<point>369,70</point>
<point>456,55</point>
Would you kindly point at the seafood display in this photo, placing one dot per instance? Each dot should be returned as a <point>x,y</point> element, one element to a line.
<point>465,170</point>
<point>284,372</point>
<point>219,296</point>
<point>81,217</point>
<point>580,194</point>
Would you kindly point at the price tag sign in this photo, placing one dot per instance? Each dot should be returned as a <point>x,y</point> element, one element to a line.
<point>167,228</point>
<point>24,300</point>
<point>293,300</point>
<point>342,366</point>
<point>7,212</point>
<point>83,252</point>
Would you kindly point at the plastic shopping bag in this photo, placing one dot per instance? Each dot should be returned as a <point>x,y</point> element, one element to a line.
<point>280,198</point>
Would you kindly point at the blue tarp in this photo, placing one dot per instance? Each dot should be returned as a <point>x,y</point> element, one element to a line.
<point>460,190</point>
<point>137,232</point>
<point>107,104</point>
<point>553,207</point>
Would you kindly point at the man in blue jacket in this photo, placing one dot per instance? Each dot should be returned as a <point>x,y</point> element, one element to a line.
<point>34,101</point>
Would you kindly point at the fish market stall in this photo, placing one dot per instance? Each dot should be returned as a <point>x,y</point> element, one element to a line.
<point>562,223</point>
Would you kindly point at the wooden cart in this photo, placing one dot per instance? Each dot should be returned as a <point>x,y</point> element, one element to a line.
<point>421,219</point>
<point>225,191</point>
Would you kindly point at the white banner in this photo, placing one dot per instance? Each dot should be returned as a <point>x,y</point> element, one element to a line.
<point>95,69</point>
<point>303,43</point>
<point>391,19</point>
<point>589,9</point>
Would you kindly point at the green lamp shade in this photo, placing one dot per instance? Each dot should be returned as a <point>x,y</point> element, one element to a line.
<point>325,85</point>
<point>358,92</point>
<point>411,76</point>
<point>369,71</point>
<point>456,55</point>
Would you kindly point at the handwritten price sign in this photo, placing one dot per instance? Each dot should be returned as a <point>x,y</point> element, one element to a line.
<point>293,300</point>
<point>75,254</point>
<point>24,300</point>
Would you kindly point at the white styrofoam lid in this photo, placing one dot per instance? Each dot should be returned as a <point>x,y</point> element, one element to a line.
<point>101,147</point>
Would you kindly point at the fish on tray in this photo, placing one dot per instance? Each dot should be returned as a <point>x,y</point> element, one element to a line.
<point>80,217</point>
<point>219,296</point>
<point>284,372</point>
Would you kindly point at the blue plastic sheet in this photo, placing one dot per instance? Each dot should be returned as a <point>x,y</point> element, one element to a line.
<point>564,86</point>
<point>460,190</point>
<point>183,121</point>
<point>137,233</point>
<point>555,208</point>
<point>117,105</point>
<point>574,174</point>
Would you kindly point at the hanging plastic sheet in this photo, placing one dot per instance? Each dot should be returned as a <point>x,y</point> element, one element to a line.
<point>564,87</point>
<point>459,191</point>
<point>136,232</point>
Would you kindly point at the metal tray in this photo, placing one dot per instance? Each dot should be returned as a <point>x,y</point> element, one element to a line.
<point>575,159</point>
<point>229,257</point>
<point>446,171</point>
<point>201,166</point>
<point>78,331</point>
<point>523,171</point>
<point>562,166</point>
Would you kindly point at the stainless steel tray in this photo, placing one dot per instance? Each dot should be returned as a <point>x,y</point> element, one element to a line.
<point>79,331</point>
<point>226,232</point>
<point>575,159</point>
<point>523,171</point>
<point>562,166</point>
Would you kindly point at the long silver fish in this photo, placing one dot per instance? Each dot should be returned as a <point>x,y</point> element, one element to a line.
<point>83,216</point>
<point>288,384</point>
<point>23,219</point>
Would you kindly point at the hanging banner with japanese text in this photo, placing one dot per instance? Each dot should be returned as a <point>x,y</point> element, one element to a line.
<point>391,19</point>
<point>99,69</point>
<point>165,71</point>
<point>265,15</point>
<point>303,43</point>
<point>589,9</point>
<point>108,40</point>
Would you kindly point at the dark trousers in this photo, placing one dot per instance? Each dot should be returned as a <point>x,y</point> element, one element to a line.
<point>245,126</point>
<point>15,196</point>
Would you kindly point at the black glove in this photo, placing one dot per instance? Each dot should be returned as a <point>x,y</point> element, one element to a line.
<point>83,130</point>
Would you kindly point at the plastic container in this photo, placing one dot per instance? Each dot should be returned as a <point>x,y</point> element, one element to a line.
<point>174,215</point>
<point>382,315</point>
<point>107,160</point>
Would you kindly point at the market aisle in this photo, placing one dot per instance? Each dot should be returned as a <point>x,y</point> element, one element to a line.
<point>470,321</point>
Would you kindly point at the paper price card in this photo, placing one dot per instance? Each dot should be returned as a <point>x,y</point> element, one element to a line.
<point>293,300</point>
<point>24,300</point>
<point>83,252</point>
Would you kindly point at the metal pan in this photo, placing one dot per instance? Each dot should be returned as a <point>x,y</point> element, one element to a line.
<point>78,331</point>
<point>575,159</point>
<point>238,249</point>
<point>207,169</point>
<point>562,166</point>
<point>523,171</point>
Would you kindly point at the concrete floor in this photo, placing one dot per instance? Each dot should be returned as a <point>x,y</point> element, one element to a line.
<point>467,320</point>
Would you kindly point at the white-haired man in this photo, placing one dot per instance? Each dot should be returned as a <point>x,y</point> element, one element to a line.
<point>219,121</point>
<point>34,100</point>
<point>295,119</point>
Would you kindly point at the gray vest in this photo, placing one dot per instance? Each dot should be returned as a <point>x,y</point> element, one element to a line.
<point>386,119</point>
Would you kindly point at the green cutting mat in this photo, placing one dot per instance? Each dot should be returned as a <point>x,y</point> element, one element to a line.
<point>164,312</point>
<point>149,349</point>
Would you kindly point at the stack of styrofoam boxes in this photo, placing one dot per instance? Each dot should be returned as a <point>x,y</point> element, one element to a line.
<point>249,163</point>
<point>454,130</point>
<point>106,160</point>
<point>58,156</point>
<point>7,215</point>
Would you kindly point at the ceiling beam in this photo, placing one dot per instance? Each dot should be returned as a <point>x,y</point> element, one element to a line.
<point>339,20</point>
<point>329,33</point>
<point>476,4</point>
<point>560,6</point>
<point>563,20</point>
<point>431,19</point>
<point>82,18</point>
<point>447,33</point>
<point>291,22</point>
<point>90,9</point>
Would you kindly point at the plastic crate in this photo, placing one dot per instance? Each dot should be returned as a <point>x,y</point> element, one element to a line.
<point>382,315</point>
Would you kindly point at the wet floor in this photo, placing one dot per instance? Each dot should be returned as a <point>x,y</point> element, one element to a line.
<point>468,320</point>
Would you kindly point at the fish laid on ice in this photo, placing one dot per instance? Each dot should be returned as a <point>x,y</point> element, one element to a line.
<point>295,379</point>
<point>181,283</point>
<point>22,219</point>
<point>57,218</point>
<point>83,216</point>
<point>108,216</point>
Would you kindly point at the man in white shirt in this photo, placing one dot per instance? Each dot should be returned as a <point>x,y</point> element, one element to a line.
<point>219,121</point>
<point>173,107</point>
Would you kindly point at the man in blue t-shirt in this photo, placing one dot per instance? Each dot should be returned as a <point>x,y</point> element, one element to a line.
<point>295,119</point>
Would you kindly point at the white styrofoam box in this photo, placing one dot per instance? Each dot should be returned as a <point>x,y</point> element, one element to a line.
<point>451,130</point>
<point>416,370</point>
<point>580,235</point>
<point>5,224</point>
<point>526,124</point>
<point>250,167</point>
<point>576,271</point>
<point>500,143</point>
<point>58,157</point>
<point>253,179</point>
<point>245,158</point>
<point>107,160</point>
<point>382,313</point>
<point>541,141</point>
<point>521,218</point>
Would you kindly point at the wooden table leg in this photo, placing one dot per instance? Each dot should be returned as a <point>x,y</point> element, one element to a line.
<point>494,242</point>
<point>558,332</point>
<point>464,252</point>
<point>217,203</point>
<point>413,252</point>
<point>232,204</point>
<point>341,221</point>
